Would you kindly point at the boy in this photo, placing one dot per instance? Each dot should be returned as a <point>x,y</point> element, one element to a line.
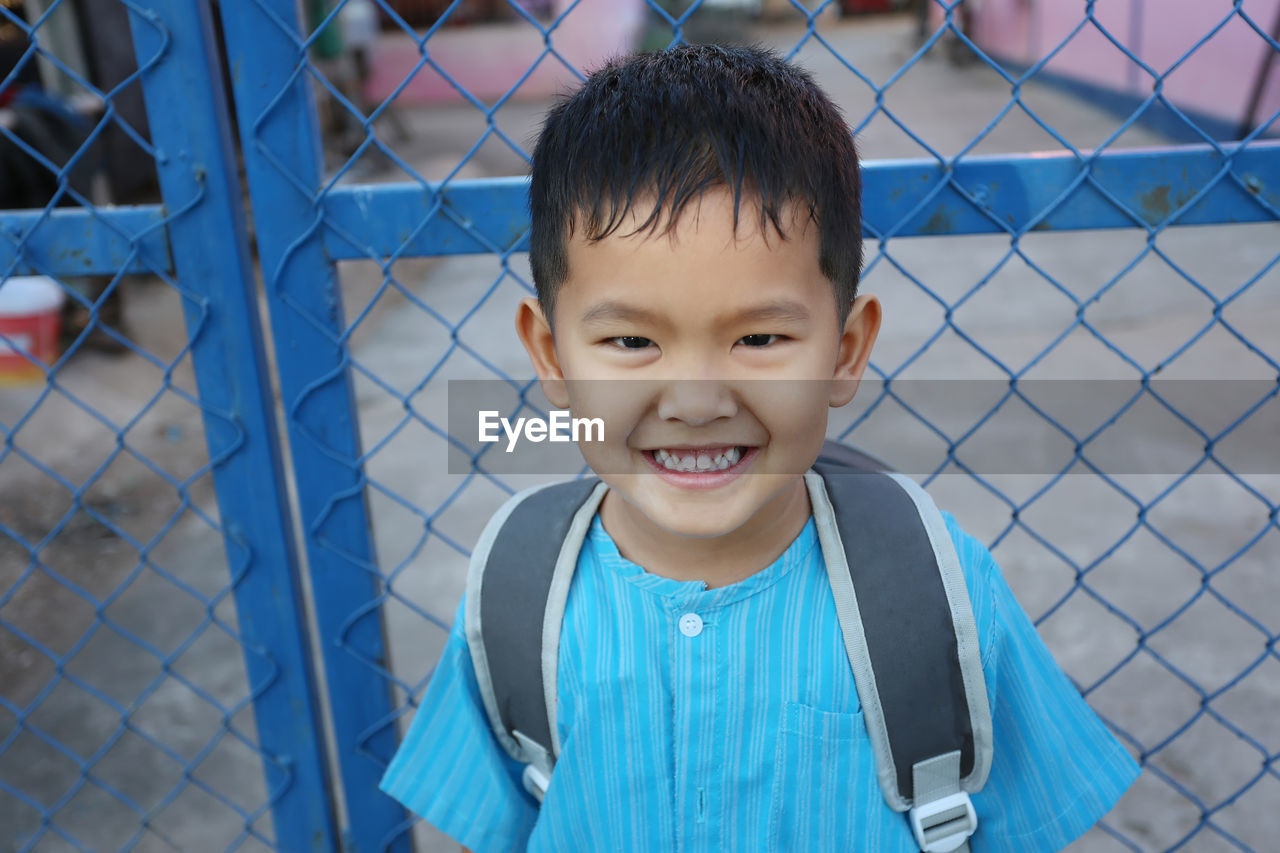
<point>705,701</point>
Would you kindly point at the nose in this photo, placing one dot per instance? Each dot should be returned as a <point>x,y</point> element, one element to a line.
<point>696,402</point>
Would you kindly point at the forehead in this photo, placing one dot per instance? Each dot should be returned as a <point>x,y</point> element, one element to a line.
<point>707,215</point>
<point>701,254</point>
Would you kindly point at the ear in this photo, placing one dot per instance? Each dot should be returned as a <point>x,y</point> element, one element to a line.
<point>856,341</point>
<point>535,333</point>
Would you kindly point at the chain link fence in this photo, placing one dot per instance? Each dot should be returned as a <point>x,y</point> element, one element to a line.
<point>140,495</point>
<point>1026,220</point>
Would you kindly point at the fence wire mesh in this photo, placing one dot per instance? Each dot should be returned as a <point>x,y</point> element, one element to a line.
<point>1156,590</point>
<point>129,684</point>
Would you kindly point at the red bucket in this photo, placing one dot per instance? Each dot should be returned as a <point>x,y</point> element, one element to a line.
<point>30,321</point>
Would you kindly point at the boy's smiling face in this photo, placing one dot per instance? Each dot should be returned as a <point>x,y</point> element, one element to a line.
<point>701,349</point>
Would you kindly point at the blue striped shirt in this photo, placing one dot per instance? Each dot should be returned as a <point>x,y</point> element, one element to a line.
<point>746,734</point>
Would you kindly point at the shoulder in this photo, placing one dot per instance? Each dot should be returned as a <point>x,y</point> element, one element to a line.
<point>981,577</point>
<point>450,769</point>
<point>1056,768</point>
<point>975,559</point>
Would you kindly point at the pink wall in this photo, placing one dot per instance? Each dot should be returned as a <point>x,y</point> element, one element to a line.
<point>1216,79</point>
<point>488,59</point>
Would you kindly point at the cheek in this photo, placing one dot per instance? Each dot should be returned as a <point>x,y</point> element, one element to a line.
<point>793,412</point>
<point>621,404</point>
<point>790,404</point>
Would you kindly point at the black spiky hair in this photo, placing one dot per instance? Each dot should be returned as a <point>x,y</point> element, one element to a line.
<point>671,124</point>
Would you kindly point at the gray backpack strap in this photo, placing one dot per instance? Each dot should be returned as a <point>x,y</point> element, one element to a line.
<point>837,455</point>
<point>892,565</point>
<point>517,586</point>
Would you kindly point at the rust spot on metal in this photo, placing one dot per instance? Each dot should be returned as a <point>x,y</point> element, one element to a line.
<point>1156,206</point>
<point>938,223</point>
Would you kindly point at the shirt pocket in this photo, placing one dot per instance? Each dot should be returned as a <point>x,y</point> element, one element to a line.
<point>825,793</point>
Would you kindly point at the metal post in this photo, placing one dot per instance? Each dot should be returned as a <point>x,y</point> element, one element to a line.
<point>61,37</point>
<point>182,88</point>
<point>1137,24</point>
<point>1251,117</point>
<point>280,138</point>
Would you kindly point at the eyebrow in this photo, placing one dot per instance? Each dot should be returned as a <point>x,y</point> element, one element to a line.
<point>613,311</point>
<point>782,310</point>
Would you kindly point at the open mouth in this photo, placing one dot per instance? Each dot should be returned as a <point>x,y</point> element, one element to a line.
<point>702,460</point>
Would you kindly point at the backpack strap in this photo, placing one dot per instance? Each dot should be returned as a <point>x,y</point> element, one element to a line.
<point>837,455</point>
<point>517,586</point>
<point>892,564</point>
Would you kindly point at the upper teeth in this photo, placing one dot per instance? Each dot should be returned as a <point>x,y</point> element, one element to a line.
<point>686,461</point>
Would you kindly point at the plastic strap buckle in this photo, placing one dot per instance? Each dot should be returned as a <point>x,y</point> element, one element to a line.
<point>535,781</point>
<point>537,771</point>
<point>943,824</point>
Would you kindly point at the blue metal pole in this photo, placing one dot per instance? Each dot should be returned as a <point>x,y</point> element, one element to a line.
<point>280,138</point>
<point>190,131</point>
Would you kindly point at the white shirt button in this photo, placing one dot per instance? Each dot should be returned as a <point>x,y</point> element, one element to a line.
<point>691,624</point>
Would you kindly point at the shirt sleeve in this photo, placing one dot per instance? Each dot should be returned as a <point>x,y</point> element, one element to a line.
<point>451,770</point>
<point>1056,770</point>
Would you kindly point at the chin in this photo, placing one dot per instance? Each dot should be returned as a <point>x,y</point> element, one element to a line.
<point>712,529</point>
<point>704,522</point>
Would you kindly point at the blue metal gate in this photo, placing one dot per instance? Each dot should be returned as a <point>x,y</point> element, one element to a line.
<point>195,245</point>
<point>383,539</point>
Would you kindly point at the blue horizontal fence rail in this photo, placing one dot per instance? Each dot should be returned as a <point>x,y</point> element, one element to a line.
<point>1187,185</point>
<point>903,198</point>
<point>70,242</point>
<point>307,220</point>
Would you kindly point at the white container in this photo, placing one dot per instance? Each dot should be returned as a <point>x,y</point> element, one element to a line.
<point>30,323</point>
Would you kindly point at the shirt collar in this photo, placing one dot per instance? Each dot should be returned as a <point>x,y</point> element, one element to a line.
<point>686,593</point>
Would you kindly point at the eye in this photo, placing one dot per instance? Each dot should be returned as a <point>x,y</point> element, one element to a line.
<point>759,340</point>
<point>630,342</point>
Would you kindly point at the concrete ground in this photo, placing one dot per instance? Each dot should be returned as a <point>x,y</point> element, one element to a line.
<point>1140,585</point>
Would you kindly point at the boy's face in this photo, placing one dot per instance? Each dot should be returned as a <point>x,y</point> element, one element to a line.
<point>705,352</point>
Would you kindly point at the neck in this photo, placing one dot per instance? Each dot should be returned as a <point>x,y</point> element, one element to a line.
<point>716,560</point>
